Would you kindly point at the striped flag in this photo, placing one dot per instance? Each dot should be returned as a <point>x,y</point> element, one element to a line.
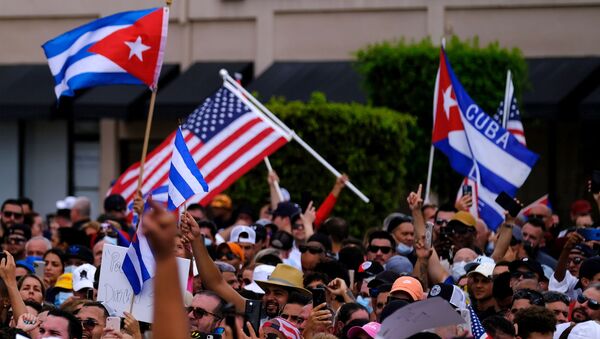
<point>160,195</point>
<point>226,137</point>
<point>139,264</point>
<point>477,329</point>
<point>513,124</point>
<point>185,179</point>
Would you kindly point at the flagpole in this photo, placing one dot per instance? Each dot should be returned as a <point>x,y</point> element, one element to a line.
<point>429,172</point>
<point>275,182</point>
<point>146,138</point>
<point>280,124</point>
<point>507,98</point>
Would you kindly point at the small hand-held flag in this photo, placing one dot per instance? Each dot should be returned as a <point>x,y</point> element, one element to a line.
<point>185,179</point>
<point>124,48</point>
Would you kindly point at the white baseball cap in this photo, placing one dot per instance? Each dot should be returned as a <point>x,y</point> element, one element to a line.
<point>485,269</point>
<point>237,234</point>
<point>83,277</point>
<point>261,272</point>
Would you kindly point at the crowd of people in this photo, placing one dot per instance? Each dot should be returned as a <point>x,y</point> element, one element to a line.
<point>280,271</point>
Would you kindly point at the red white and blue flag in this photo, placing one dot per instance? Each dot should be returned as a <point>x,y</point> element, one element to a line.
<point>138,264</point>
<point>124,48</point>
<point>476,145</point>
<point>513,123</point>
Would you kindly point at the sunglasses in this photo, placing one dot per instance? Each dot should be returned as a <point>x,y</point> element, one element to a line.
<point>312,250</point>
<point>10,214</point>
<point>15,240</point>
<point>373,292</point>
<point>383,249</point>
<point>380,306</point>
<point>89,324</point>
<point>525,275</point>
<point>199,312</point>
<point>592,304</point>
<point>292,318</point>
<point>297,226</point>
<point>391,298</point>
<point>576,260</point>
<point>441,222</point>
<point>536,216</point>
<point>246,281</point>
<point>228,256</point>
<point>462,230</point>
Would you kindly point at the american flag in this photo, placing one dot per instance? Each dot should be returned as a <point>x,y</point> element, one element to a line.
<point>226,137</point>
<point>476,328</point>
<point>513,125</point>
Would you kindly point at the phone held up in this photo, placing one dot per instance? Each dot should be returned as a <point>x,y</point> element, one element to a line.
<point>509,204</point>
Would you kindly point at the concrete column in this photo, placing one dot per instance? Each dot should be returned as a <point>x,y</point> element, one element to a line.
<point>109,154</point>
<point>436,22</point>
<point>264,41</point>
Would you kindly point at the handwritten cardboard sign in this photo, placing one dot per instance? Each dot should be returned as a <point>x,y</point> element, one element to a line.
<point>115,290</point>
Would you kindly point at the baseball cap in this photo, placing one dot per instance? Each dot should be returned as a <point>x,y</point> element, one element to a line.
<point>234,248</point>
<point>399,264</point>
<point>409,285</point>
<point>287,209</point>
<point>260,231</point>
<point>368,269</point>
<point>221,201</point>
<point>451,293</point>
<point>242,233</point>
<point>464,218</point>
<point>589,267</point>
<point>583,249</point>
<point>80,252</point>
<point>115,202</point>
<point>530,264</point>
<point>585,330</point>
<point>261,272</point>
<point>394,220</point>
<point>66,204</point>
<point>581,207</point>
<point>485,269</point>
<point>479,260</point>
<point>65,281</point>
<point>83,277</point>
<point>19,229</point>
<point>371,329</point>
<point>385,277</point>
<point>282,240</point>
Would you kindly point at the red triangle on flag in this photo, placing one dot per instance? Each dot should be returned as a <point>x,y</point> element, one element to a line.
<point>135,48</point>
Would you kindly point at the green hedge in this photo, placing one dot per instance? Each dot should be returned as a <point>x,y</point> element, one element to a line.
<point>401,76</point>
<point>370,144</point>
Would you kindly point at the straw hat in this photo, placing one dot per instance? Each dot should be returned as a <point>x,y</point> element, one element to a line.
<point>285,276</point>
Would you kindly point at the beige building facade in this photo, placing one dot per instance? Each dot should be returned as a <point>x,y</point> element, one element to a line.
<point>261,32</point>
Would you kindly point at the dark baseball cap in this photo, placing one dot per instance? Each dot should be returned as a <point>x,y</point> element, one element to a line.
<point>282,240</point>
<point>368,269</point>
<point>530,264</point>
<point>19,229</point>
<point>287,209</point>
<point>115,202</point>
<point>80,252</point>
<point>385,277</point>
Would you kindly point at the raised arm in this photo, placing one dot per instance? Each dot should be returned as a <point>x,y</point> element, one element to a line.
<point>210,275</point>
<point>504,237</point>
<point>7,273</point>
<point>563,261</point>
<point>327,206</point>
<point>272,178</point>
<point>415,202</point>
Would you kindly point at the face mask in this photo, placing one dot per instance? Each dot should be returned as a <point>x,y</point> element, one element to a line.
<point>490,247</point>
<point>366,302</point>
<point>110,240</point>
<point>70,268</point>
<point>61,297</point>
<point>403,249</point>
<point>458,270</point>
<point>207,242</point>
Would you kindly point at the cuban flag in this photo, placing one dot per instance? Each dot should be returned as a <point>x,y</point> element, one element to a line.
<point>185,179</point>
<point>139,264</point>
<point>159,194</point>
<point>124,48</point>
<point>476,145</point>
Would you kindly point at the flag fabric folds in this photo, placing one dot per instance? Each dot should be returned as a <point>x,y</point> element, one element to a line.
<point>477,329</point>
<point>185,179</point>
<point>476,145</point>
<point>513,125</point>
<point>139,264</point>
<point>159,194</point>
<point>123,48</point>
<point>226,137</point>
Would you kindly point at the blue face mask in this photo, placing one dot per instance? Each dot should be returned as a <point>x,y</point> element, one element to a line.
<point>404,249</point>
<point>207,242</point>
<point>366,302</point>
<point>61,297</point>
<point>110,240</point>
<point>70,268</point>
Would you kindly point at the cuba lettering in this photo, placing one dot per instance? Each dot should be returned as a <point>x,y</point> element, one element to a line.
<point>486,125</point>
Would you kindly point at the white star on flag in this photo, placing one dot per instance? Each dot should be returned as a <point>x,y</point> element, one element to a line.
<point>137,48</point>
<point>448,101</point>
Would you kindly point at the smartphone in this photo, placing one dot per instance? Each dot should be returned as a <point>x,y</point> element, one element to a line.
<point>113,323</point>
<point>318,295</point>
<point>467,190</point>
<point>596,181</point>
<point>39,267</point>
<point>252,313</point>
<point>509,204</point>
<point>428,234</point>
<point>200,335</point>
<point>589,233</point>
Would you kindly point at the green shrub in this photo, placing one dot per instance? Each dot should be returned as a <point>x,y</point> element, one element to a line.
<point>370,144</point>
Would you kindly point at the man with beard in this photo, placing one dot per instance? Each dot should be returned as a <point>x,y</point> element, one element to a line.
<point>205,312</point>
<point>12,213</point>
<point>587,306</point>
<point>533,238</point>
<point>93,319</point>
<point>277,287</point>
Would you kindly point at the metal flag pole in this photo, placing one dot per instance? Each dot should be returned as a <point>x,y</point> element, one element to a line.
<point>508,93</point>
<point>293,134</point>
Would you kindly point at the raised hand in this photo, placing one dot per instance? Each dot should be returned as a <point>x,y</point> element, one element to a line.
<point>138,203</point>
<point>414,199</point>
<point>27,322</point>
<point>131,325</point>
<point>272,178</point>
<point>189,227</point>
<point>7,268</point>
<point>464,203</point>
<point>339,185</point>
<point>309,215</point>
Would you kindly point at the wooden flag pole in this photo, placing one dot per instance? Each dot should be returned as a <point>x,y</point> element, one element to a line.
<point>146,138</point>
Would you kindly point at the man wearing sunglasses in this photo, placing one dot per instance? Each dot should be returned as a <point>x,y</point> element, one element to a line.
<point>15,240</point>
<point>93,319</point>
<point>462,230</point>
<point>204,313</point>
<point>523,299</point>
<point>12,213</point>
<point>314,251</point>
<point>525,273</point>
<point>381,247</point>
<point>587,306</point>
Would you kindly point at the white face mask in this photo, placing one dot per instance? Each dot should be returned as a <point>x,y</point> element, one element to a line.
<point>458,270</point>
<point>70,268</point>
<point>110,240</point>
<point>207,241</point>
<point>404,249</point>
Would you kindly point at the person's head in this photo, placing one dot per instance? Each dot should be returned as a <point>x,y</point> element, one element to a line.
<point>97,251</point>
<point>245,237</point>
<point>55,266</point>
<point>32,288</point>
<point>534,323</point>
<point>558,303</point>
<point>480,282</point>
<point>501,267</point>
<point>285,215</point>
<point>205,312</point>
<point>589,271</point>
<point>400,226</point>
<point>580,208</point>
<point>78,255</point>
<point>92,316</point>
<point>16,237</point>
<point>292,311</point>
<point>337,228</point>
<point>541,212</point>
<point>498,327</point>
<point>314,251</point>
<point>442,217</point>
<point>229,274</point>
<point>12,213</point>
<point>61,324</point>
<point>482,234</point>
<point>37,246</point>
<point>220,207</point>
<point>381,247</point>
<point>462,228</point>
<point>367,331</point>
<point>115,207</point>
<point>587,306</point>
<point>280,328</point>
<point>231,253</point>
<point>81,210</point>
<point>533,233</point>
<point>578,254</point>
<point>26,204</point>
<point>209,230</point>
<point>526,273</point>
<point>280,283</point>
<point>406,288</point>
<point>197,211</point>
<point>347,313</point>
<point>583,221</point>
<point>523,299</point>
